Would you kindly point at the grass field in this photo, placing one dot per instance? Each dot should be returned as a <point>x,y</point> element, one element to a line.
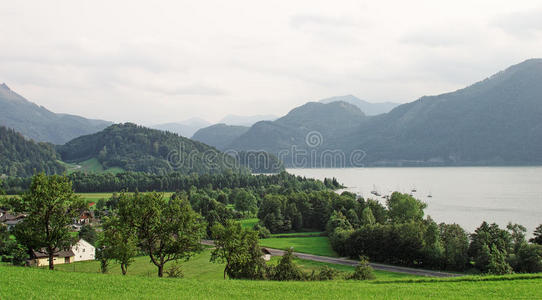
<point>93,197</point>
<point>90,165</point>
<point>199,267</point>
<point>249,223</point>
<point>318,245</point>
<point>298,234</point>
<point>30,283</point>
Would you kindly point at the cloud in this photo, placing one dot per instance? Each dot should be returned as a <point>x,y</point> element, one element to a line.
<point>524,24</point>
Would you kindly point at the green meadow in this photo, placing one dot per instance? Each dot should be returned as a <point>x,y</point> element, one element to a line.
<point>33,283</point>
<point>317,245</point>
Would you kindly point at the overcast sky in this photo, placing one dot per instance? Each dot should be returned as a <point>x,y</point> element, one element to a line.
<point>163,61</point>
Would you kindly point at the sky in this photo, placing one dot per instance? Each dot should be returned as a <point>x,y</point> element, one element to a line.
<point>165,61</point>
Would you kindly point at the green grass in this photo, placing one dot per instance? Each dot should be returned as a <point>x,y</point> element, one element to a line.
<point>90,165</point>
<point>249,223</point>
<point>318,245</point>
<point>298,234</point>
<point>198,267</point>
<point>32,283</point>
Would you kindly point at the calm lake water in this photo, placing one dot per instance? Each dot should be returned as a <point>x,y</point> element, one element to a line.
<point>462,195</point>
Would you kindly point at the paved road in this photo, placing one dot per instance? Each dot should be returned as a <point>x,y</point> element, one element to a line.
<point>349,262</point>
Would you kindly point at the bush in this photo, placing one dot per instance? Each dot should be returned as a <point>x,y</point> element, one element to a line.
<point>19,255</point>
<point>286,270</point>
<point>175,271</point>
<point>262,231</point>
<point>327,273</point>
<point>363,271</point>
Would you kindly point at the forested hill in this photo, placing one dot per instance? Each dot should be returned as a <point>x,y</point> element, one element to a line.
<point>22,157</point>
<point>38,123</point>
<point>140,149</point>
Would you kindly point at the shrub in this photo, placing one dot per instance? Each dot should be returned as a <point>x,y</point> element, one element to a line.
<point>327,273</point>
<point>363,271</point>
<point>286,270</point>
<point>262,231</point>
<point>175,271</point>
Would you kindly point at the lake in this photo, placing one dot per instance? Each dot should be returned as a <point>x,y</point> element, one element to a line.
<point>463,195</point>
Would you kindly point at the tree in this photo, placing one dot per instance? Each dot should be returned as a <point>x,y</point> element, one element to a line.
<point>484,241</point>
<point>244,201</point>
<point>455,241</point>
<point>403,208</point>
<point>239,249</point>
<point>367,217</point>
<point>517,236</point>
<point>50,205</point>
<point>103,253</point>
<point>537,239</point>
<point>121,242</point>
<point>497,263</point>
<point>529,259</point>
<point>88,233</point>
<point>167,230</point>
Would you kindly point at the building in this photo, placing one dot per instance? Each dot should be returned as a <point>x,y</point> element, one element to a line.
<point>83,250</point>
<point>11,220</point>
<point>41,258</point>
<point>266,254</point>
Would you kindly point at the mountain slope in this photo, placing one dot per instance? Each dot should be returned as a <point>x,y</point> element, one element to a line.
<point>495,121</point>
<point>370,109</point>
<point>308,127</point>
<point>136,148</point>
<point>40,124</point>
<point>219,135</point>
<point>22,157</point>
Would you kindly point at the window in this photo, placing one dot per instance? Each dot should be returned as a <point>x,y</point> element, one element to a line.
<point>83,250</point>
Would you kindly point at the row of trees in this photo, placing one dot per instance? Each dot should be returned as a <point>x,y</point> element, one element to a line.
<point>401,235</point>
<point>143,182</point>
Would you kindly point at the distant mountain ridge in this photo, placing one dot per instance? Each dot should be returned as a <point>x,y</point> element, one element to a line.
<point>497,121</point>
<point>38,123</point>
<point>369,108</point>
<point>185,128</point>
<point>237,120</point>
<point>219,135</point>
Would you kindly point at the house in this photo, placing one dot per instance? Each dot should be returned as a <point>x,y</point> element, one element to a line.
<point>85,218</point>
<point>83,250</point>
<point>11,220</point>
<point>266,254</point>
<point>41,258</point>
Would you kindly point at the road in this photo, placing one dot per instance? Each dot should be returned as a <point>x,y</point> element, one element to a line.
<point>350,262</point>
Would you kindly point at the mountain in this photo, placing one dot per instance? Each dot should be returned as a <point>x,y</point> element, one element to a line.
<point>370,109</point>
<point>185,128</point>
<point>246,120</point>
<point>140,149</point>
<point>219,135</point>
<point>495,121</point>
<point>22,157</point>
<point>304,128</point>
<point>40,124</point>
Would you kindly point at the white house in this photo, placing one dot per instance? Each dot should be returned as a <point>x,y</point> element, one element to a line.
<point>83,250</point>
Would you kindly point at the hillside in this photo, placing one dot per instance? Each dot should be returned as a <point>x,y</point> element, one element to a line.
<point>495,121</point>
<point>238,120</point>
<point>136,148</point>
<point>219,135</point>
<point>308,127</point>
<point>40,124</point>
<point>369,108</point>
<point>22,157</point>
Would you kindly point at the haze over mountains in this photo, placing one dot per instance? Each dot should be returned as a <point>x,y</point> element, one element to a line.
<point>369,108</point>
<point>38,123</point>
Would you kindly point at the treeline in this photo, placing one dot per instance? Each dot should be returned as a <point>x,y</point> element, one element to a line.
<point>22,157</point>
<point>135,181</point>
<point>398,234</point>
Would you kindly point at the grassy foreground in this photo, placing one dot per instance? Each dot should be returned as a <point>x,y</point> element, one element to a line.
<point>25,283</point>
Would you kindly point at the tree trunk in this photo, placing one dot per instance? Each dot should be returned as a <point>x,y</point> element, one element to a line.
<point>161,271</point>
<point>123,268</point>
<point>51,260</point>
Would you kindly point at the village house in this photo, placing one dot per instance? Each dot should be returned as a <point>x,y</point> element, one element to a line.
<point>81,251</point>
<point>41,258</point>
<point>11,220</point>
